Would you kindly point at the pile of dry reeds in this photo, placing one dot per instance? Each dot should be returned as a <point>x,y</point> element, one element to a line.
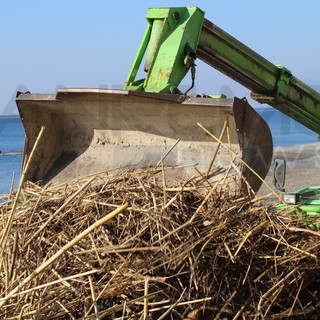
<point>121,247</point>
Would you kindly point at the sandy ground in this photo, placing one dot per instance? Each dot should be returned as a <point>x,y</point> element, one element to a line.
<point>303,167</point>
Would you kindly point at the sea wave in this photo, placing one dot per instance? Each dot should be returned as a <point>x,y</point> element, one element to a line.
<point>10,153</point>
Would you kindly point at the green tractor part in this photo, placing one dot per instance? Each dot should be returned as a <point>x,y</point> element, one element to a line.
<point>304,203</point>
<point>171,37</point>
<point>183,34</point>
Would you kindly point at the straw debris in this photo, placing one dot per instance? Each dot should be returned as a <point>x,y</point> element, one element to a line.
<point>187,252</point>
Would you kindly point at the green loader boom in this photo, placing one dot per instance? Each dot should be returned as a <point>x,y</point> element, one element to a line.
<point>175,37</point>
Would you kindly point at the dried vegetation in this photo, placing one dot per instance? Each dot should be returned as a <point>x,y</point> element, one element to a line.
<point>121,247</point>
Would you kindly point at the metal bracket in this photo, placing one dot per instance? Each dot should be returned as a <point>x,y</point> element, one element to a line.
<point>282,84</point>
<point>281,88</point>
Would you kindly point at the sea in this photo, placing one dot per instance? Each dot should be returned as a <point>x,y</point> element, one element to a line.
<point>285,132</point>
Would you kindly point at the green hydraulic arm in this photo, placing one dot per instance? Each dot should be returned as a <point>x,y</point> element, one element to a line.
<point>172,36</point>
<point>175,37</point>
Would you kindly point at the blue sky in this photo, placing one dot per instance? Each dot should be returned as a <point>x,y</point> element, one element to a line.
<point>77,43</point>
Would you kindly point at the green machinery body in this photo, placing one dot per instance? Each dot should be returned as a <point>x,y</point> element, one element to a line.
<point>305,205</point>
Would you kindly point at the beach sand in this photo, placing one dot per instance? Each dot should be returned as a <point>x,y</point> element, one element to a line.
<point>303,167</point>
